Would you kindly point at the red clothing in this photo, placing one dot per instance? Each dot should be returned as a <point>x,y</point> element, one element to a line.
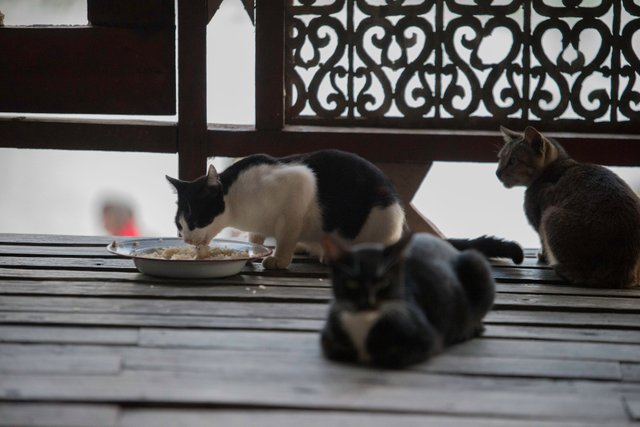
<point>128,229</point>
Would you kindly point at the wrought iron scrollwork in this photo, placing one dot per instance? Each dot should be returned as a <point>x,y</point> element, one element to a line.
<point>464,63</point>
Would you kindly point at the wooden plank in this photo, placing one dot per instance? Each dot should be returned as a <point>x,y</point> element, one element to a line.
<point>87,70</point>
<point>409,145</point>
<point>77,263</point>
<point>54,239</point>
<point>106,415</point>
<point>254,292</point>
<point>534,333</point>
<point>550,349</point>
<point>244,355</point>
<point>160,320</point>
<point>523,367</point>
<point>555,318</point>
<point>515,275</point>
<point>75,415</point>
<point>68,335</point>
<point>76,134</point>
<point>257,291</point>
<point>102,283</point>
<point>633,405</point>
<point>55,251</point>
<point>242,362</point>
<point>162,306</point>
<point>27,363</point>
<point>298,270</point>
<point>43,274</point>
<point>142,417</point>
<point>131,13</point>
<point>269,73</point>
<point>568,302</point>
<point>239,288</point>
<point>215,321</point>
<point>54,282</point>
<point>630,371</point>
<point>231,363</point>
<point>9,275</point>
<point>252,341</point>
<point>192,88</point>
<point>564,289</point>
<point>58,414</point>
<point>372,391</point>
<point>45,307</point>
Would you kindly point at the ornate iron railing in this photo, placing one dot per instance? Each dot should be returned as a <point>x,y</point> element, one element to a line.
<point>443,73</point>
<point>464,64</point>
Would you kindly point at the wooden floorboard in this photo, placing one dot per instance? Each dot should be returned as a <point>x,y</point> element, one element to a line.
<point>84,336</point>
<point>296,418</point>
<point>104,415</point>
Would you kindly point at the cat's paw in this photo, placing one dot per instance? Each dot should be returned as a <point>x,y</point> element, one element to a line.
<point>274,263</point>
<point>542,256</point>
<point>301,249</point>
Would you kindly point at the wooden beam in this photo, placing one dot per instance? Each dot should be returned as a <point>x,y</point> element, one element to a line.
<point>120,135</point>
<point>410,146</point>
<point>407,179</point>
<point>87,70</point>
<point>131,13</point>
<point>212,8</point>
<point>270,48</point>
<point>249,6</point>
<point>192,88</point>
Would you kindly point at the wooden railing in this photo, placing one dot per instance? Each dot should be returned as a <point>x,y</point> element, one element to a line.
<point>124,62</point>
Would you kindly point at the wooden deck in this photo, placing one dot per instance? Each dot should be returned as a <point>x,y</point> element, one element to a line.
<point>85,340</point>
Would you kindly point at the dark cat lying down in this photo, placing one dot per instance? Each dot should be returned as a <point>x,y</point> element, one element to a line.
<point>398,305</point>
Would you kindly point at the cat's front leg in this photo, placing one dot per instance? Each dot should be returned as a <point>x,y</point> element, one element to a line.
<point>287,235</point>
<point>335,343</point>
<point>281,257</point>
<point>402,337</point>
<point>542,255</point>
<point>256,238</point>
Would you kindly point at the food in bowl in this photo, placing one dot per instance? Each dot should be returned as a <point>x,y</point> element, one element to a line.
<point>206,253</point>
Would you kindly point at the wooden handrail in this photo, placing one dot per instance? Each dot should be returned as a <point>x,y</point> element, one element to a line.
<point>194,140</point>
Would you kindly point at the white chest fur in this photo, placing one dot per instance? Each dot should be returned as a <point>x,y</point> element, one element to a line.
<point>357,325</point>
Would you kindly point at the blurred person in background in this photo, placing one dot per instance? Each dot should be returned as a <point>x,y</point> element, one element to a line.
<point>118,218</point>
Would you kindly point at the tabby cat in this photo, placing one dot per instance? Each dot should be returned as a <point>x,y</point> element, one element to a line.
<point>397,305</point>
<point>295,199</point>
<point>588,219</point>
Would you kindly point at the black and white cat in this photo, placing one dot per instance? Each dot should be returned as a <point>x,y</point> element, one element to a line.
<point>295,199</point>
<point>397,305</point>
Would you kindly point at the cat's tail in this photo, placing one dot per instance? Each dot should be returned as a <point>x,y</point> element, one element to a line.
<point>491,247</point>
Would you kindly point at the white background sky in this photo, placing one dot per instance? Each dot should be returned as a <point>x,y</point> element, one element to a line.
<point>50,191</point>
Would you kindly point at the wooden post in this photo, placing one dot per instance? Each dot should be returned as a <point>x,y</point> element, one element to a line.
<point>192,88</point>
<point>407,178</point>
<point>270,48</point>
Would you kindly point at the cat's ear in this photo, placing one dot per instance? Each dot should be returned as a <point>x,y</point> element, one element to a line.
<point>395,252</point>
<point>333,248</point>
<point>534,139</point>
<point>212,176</point>
<point>509,135</point>
<point>176,183</point>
